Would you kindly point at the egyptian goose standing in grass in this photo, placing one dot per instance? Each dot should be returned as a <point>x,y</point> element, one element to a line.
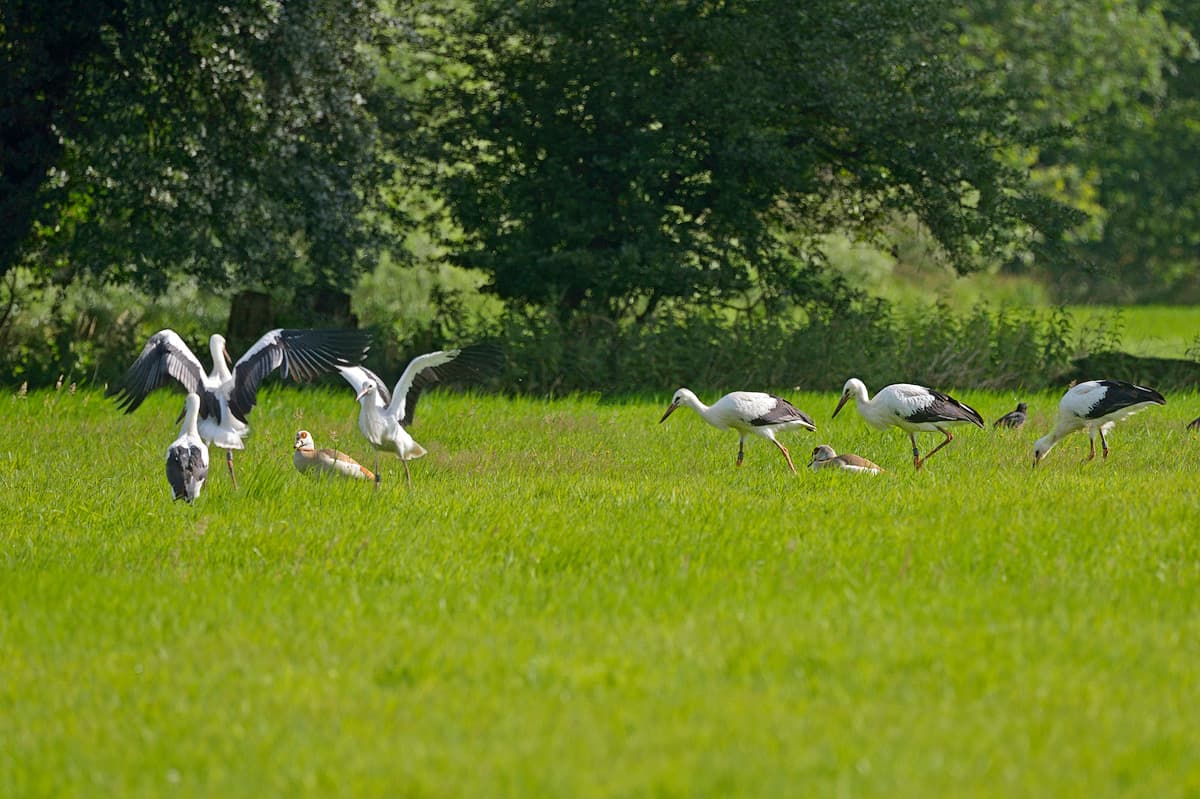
<point>824,457</point>
<point>749,413</point>
<point>1096,405</point>
<point>187,457</point>
<point>325,461</point>
<point>226,397</point>
<point>383,416</point>
<point>914,409</point>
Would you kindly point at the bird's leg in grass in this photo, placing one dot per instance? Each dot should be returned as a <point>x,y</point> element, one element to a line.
<point>229,463</point>
<point>786,454</point>
<point>1104,443</point>
<point>929,454</point>
<point>1091,446</point>
<point>377,478</point>
<point>407,473</point>
<point>741,449</point>
<point>916,452</point>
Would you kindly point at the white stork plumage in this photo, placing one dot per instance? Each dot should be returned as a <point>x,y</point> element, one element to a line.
<point>825,457</point>
<point>326,461</point>
<point>187,457</point>
<point>1095,405</point>
<point>914,409</point>
<point>383,416</point>
<point>749,413</point>
<point>226,397</point>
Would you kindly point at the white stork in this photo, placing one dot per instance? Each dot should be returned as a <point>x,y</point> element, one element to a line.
<point>226,397</point>
<point>1096,405</point>
<point>914,409</point>
<point>824,457</point>
<point>749,413</point>
<point>1014,419</point>
<point>325,461</point>
<point>383,416</point>
<point>187,457</point>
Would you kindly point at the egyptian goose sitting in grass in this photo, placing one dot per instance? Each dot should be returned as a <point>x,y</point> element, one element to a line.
<point>326,461</point>
<point>824,457</point>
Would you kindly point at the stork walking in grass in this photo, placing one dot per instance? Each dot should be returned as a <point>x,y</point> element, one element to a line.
<point>383,417</point>
<point>1014,419</point>
<point>1095,406</point>
<point>226,397</point>
<point>824,457</point>
<point>187,457</point>
<point>326,461</point>
<point>748,413</point>
<point>914,409</point>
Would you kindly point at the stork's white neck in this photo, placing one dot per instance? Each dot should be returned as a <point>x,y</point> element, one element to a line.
<point>216,348</point>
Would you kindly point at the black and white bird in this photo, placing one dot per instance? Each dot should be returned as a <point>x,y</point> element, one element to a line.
<point>187,457</point>
<point>226,397</point>
<point>1013,419</point>
<point>1194,424</point>
<point>383,416</point>
<point>749,413</point>
<point>1095,406</point>
<point>824,457</point>
<point>914,409</point>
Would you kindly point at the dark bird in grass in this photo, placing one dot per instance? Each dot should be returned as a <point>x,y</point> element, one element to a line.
<point>187,457</point>
<point>1013,419</point>
<point>1194,424</point>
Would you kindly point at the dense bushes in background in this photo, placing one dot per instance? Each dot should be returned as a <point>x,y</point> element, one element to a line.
<point>90,335</point>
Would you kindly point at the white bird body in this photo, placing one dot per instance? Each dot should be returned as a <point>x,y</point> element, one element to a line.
<point>383,417</point>
<point>748,413</point>
<point>912,408</point>
<point>306,456</point>
<point>1095,406</point>
<point>226,396</point>
<point>824,457</point>
<point>187,457</point>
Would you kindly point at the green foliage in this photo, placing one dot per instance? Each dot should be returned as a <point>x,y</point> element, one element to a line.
<point>576,601</point>
<point>231,141</point>
<point>984,347</point>
<point>608,157</point>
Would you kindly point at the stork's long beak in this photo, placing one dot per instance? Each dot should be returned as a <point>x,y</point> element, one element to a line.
<point>228,358</point>
<point>362,393</point>
<point>841,402</point>
<point>670,410</point>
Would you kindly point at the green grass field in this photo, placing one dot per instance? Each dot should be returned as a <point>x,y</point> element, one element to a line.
<point>573,600</point>
<point>1158,331</point>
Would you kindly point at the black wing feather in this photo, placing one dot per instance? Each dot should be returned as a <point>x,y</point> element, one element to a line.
<point>301,355</point>
<point>1120,394</point>
<point>783,411</point>
<point>160,363</point>
<point>945,408</point>
<point>476,362</point>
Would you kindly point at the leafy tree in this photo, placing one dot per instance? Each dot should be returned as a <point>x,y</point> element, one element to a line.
<point>1122,74</point>
<point>232,140</point>
<point>608,156</point>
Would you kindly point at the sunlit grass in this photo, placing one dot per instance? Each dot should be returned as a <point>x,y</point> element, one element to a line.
<point>574,600</point>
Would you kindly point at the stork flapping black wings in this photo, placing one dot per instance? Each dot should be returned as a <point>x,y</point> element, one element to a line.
<point>164,359</point>
<point>299,354</point>
<point>476,362</point>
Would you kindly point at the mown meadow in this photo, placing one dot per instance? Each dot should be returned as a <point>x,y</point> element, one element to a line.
<point>574,600</point>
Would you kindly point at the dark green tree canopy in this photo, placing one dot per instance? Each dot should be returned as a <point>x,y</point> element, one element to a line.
<point>232,140</point>
<point>644,150</point>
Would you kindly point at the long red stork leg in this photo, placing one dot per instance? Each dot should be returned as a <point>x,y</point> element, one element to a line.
<point>929,454</point>
<point>786,454</point>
